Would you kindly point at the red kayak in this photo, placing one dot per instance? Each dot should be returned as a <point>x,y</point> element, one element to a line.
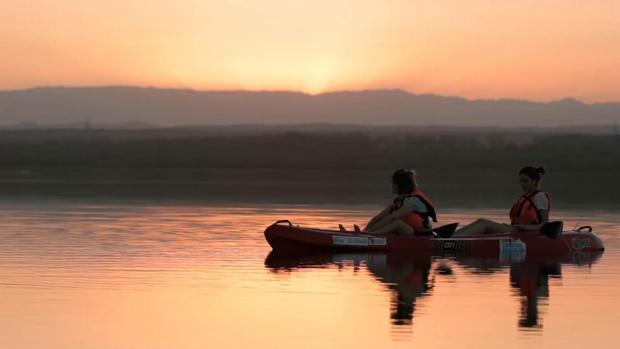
<point>284,236</point>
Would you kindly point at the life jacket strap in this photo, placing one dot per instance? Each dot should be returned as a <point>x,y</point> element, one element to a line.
<point>430,209</point>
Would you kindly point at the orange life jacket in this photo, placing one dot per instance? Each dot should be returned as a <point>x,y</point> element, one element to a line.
<point>417,220</point>
<point>524,212</point>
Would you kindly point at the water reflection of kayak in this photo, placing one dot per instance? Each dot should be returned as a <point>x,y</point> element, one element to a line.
<point>411,276</point>
<point>279,260</point>
<point>283,235</point>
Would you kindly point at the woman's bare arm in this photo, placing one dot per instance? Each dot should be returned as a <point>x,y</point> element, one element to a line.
<point>378,217</point>
<point>390,217</point>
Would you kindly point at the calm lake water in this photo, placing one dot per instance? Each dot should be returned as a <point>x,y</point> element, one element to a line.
<point>142,275</point>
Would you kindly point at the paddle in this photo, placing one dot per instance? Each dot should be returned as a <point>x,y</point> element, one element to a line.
<point>445,231</point>
<point>552,230</point>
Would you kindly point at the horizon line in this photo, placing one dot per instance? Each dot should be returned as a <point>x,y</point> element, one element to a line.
<point>394,89</point>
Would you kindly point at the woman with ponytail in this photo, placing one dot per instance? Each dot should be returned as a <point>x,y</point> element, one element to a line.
<point>529,212</point>
<point>411,211</point>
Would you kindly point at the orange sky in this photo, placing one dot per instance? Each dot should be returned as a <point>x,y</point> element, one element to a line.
<point>538,50</point>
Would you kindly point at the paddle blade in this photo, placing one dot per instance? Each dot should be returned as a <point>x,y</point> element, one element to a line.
<point>552,230</point>
<point>445,231</point>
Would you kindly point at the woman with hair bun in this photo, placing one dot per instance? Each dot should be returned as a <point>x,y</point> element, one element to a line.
<point>529,212</point>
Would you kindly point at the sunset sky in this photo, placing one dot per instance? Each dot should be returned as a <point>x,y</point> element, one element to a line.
<point>540,50</point>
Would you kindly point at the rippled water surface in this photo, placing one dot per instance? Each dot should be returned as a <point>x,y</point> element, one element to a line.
<point>85,275</point>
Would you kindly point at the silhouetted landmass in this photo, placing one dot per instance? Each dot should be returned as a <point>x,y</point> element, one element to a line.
<point>355,150</point>
<point>133,107</point>
<point>458,168</point>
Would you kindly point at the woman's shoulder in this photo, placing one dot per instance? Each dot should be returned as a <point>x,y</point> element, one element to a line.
<point>415,203</point>
<point>541,200</point>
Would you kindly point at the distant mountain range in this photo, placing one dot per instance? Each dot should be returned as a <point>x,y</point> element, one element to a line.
<point>136,107</point>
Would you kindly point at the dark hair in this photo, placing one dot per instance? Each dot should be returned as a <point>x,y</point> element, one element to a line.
<point>534,173</point>
<point>403,180</point>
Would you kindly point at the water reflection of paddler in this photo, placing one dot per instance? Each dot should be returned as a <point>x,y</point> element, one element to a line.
<point>532,281</point>
<point>407,277</point>
<point>529,277</point>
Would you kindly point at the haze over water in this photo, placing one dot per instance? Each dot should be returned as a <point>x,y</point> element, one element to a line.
<point>103,274</point>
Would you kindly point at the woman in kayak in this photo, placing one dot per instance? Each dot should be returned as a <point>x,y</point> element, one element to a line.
<point>409,212</point>
<point>529,212</point>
